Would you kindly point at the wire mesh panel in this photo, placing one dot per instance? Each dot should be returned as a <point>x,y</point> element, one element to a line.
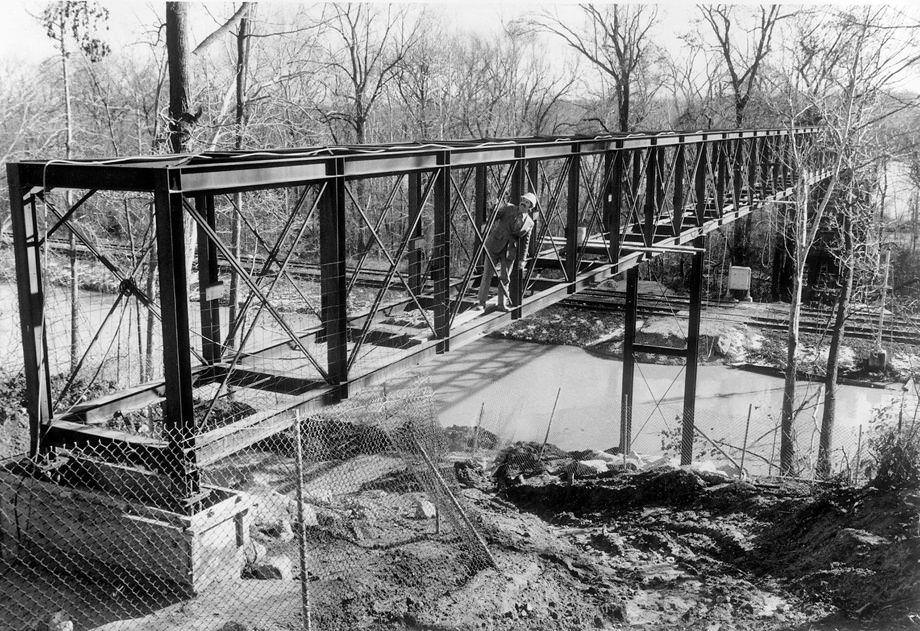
<point>284,535</point>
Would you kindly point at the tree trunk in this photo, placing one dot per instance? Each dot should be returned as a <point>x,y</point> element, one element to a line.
<point>68,199</point>
<point>181,120</point>
<point>822,467</point>
<point>787,449</point>
<point>242,66</point>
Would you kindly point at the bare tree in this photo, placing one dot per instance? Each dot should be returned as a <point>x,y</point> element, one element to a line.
<point>73,25</point>
<point>616,40</point>
<point>865,60</point>
<point>743,59</point>
<point>369,43</point>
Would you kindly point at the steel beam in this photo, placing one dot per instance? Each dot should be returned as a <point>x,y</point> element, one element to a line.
<point>571,215</point>
<point>516,280</point>
<point>441,253</point>
<point>24,222</point>
<point>479,200</point>
<point>650,207</point>
<point>692,354</point>
<point>208,283</point>
<point>333,281</point>
<point>629,359</point>
<point>179,413</point>
<point>414,198</point>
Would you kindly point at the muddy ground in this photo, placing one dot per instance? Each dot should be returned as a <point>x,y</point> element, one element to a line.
<point>659,549</point>
<point>579,543</point>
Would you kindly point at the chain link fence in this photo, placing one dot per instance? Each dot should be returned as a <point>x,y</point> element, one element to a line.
<point>334,523</point>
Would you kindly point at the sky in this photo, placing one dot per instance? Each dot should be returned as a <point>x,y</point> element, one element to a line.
<point>23,40</point>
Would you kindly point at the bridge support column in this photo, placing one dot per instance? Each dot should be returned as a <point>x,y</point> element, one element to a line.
<point>415,244</point>
<point>179,414</point>
<point>516,285</point>
<point>333,279</point>
<point>209,288</point>
<point>27,252</point>
<point>479,201</point>
<point>572,246</point>
<point>629,361</point>
<point>693,344</point>
<point>441,253</point>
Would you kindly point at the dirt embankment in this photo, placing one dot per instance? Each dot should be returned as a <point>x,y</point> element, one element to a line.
<point>686,550</point>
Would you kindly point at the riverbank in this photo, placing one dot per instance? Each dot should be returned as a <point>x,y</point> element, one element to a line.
<point>723,341</point>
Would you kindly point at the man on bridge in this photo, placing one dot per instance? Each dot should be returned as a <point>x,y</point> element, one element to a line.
<point>512,226</point>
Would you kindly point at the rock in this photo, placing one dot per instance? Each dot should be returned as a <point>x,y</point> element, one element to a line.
<point>853,538</point>
<point>318,496</point>
<point>376,494</point>
<point>424,509</point>
<point>708,472</point>
<point>673,486</point>
<point>57,621</point>
<point>310,519</point>
<point>254,552</point>
<point>595,466</point>
<point>610,542</point>
<point>268,509</point>
<point>271,568</point>
<point>469,473</point>
<point>328,518</point>
<point>284,532</point>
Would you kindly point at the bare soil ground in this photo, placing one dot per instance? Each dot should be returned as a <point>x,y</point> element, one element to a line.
<point>662,548</point>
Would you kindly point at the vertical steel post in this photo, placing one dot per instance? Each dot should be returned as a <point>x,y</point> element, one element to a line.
<point>179,412</point>
<point>333,280</point>
<point>722,176</point>
<point>752,168</point>
<point>415,244</point>
<point>208,278</point>
<point>787,160</point>
<point>441,252</point>
<point>629,362</point>
<point>699,183</point>
<point>27,255</point>
<point>737,173</point>
<point>613,200</point>
<point>480,195</point>
<point>679,191</point>
<point>650,208</point>
<point>693,344</point>
<point>516,285</point>
<point>571,218</point>
<point>533,177</point>
<point>765,170</point>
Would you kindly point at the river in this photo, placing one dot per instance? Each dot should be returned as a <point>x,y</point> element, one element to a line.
<point>515,384</point>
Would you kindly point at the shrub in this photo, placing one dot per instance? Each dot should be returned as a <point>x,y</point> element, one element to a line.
<point>895,450</point>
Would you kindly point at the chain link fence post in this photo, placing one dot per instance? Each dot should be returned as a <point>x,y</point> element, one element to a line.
<point>302,527</point>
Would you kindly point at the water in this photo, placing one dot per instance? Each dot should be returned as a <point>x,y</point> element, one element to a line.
<point>518,381</point>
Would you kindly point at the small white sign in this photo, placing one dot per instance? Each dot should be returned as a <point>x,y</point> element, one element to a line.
<point>739,278</point>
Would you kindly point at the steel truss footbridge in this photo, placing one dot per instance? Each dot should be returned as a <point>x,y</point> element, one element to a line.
<point>298,277</point>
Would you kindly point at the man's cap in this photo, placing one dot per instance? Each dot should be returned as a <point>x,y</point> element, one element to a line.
<point>530,197</point>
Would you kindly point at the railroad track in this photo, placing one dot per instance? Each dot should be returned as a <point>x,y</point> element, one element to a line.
<point>814,320</point>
